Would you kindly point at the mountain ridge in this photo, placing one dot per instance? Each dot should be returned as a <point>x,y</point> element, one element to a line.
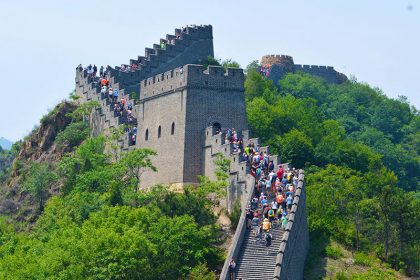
<point>5,143</point>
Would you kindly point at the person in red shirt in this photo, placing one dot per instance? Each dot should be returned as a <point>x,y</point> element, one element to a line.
<point>280,172</point>
<point>104,82</point>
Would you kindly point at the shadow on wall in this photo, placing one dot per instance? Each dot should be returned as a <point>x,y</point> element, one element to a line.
<point>316,261</point>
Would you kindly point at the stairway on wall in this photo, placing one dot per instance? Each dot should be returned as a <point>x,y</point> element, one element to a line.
<point>255,260</point>
<point>91,92</point>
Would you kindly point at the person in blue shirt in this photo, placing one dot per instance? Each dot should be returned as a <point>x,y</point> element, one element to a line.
<point>284,182</point>
<point>264,201</point>
<point>116,95</point>
<point>289,201</point>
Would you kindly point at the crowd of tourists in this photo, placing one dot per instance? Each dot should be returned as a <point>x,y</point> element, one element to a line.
<point>121,109</point>
<point>272,199</point>
<point>274,189</point>
<point>270,205</point>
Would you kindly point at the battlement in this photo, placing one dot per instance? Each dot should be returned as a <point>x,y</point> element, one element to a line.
<point>280,65</point>
<point>215,77</point>
<point>305,67</point>
<point>277,59</point>
<point>192,76</point>
<point>162,83</point>
<point>173,44</point>
<point>188,45</point>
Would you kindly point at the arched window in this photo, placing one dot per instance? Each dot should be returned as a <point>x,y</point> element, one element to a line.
<point>146,137</point>
<point>159,131</point>
<point>173,128</point>
<point>217,128</point>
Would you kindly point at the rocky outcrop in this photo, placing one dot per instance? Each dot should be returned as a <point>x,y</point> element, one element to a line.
<point>36,147</point>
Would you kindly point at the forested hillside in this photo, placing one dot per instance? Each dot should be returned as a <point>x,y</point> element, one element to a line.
<point>88,218</point>
<point>361,151</point>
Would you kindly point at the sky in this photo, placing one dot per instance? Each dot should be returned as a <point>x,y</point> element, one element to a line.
<point>42,42</point>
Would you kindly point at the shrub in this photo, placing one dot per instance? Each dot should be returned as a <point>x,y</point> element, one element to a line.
<point>340,276</point>
<point>362,259</point>
<point>333,252</point>
<point>235,215</point>
<point>72,135</point>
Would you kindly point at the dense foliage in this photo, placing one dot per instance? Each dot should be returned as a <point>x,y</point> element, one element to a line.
<point>104,227</point>
<point>361,153</point>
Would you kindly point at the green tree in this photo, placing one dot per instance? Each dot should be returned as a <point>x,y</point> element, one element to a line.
<point>83,110</point>
<point>72,135</point>
<point>201,272</point>
<point>135,163</point>
<point>295,147</point>
<point>38,182</point>
<point>229,63</point>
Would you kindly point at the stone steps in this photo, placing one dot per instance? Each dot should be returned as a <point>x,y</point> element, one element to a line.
<point>256,261</point>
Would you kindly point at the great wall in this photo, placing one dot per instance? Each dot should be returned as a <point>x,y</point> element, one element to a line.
<point>179,109</point>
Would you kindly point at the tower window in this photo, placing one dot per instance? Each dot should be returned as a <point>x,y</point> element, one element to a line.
<point>173,128</point>
<point>146,136</point>
<point>159,131</point>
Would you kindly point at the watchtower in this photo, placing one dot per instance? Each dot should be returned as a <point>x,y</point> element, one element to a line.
<point>175,109</point>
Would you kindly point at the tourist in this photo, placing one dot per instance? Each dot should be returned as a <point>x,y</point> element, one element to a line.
<point>266,225</point>
<point>249,217</point>
<point>268,238</point>
<point>133,139</point>
<point>103,91</point>
<point>274,206</point>
<point>284,181</point>
<point>271,216</point>
<point>295,180</point>
<point>280,172</point>
<point>115,95</point>
<point>232,266</point>
<point>289,201</point>
<point>255,224</point>
<point>284,222</point>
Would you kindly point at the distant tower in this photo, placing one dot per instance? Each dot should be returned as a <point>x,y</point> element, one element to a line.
<point>279,65</point>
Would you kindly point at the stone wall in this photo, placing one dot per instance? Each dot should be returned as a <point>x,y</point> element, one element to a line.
<point>292,254</point>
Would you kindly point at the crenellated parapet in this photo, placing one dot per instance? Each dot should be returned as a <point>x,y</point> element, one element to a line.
<point>188,45</point>
<point>194,77</point>
<point>294,246</point>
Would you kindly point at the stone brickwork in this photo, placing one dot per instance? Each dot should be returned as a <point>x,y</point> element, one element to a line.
<point>294,248</point>
<point>280,65</point>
